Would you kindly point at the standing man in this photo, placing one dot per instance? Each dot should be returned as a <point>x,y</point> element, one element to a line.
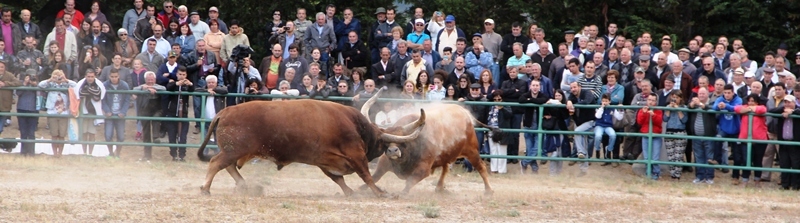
<point>321,36</point>
<point>10,32</point>
<point>149,105</point>
<point>507,47</point>
<point>232,40</point>
<point>166,14</point>
<point>29,28</point>
<point>6,96</point>
<point>343,28</point>
<point>69,8</point>
<point>206,65</point>
<point>491,40</point>
<point>132,16</point>
<point>380,14</point>
<point>611,36</point>
<point>301,24</point>
<point>30,57</point>
<point>530,122</point>
<point>162,45</point>
<point>101,40</point>
<point>449,35</point>
<point>179,108</point>
<point>512,89</point>
<point>199,28</point>
<point>115,104</point>
<point>287,36</point>
<point>213,13</point>
<point>144,26</point>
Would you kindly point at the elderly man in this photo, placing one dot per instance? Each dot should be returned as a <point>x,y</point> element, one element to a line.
<point>684,56</point>
<point>511,90</point>
<point>301,24</point>
<point>702,124</point>
<point>681,79</point>
<point>199,28</point>
<point>490,39</point>
<point>201,64</point>
<point>320,36</point>
<point>27,27</point>
<point>383,70</point>
<point>411,69</point>
<point>149,105</point>
<point>149,57</point>
<point>342,28</point>
<point>168,12</point>
<point>29,57</point>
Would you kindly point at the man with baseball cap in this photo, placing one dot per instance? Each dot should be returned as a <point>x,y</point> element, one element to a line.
<point>491,40</point>
<point>416,38</point>
<point>449,35</point>
<point>213,13</point>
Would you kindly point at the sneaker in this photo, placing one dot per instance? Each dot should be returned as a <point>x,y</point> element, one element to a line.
<point>710,181</point>
<point>522,169</point>
<point>697,181</point>
<point>581,156</point>
<point>712,162</point>
<point>181,160</point>
<point>196,130</point>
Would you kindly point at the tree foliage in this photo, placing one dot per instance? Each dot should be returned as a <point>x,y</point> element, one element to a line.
<point>761,24</point>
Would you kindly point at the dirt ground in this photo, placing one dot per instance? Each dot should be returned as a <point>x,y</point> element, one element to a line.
<point>77,188</point>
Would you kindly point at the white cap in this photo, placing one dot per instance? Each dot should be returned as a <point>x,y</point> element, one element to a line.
<point>213,8</point>
<point>419,21</point>
<point>489,21</point>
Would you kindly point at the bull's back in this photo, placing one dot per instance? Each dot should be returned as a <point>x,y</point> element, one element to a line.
<point>286,131</point>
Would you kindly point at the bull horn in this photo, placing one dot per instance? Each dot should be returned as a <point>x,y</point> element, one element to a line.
<point>400,139</point>
<point>412,126</point>
<point>369,103</point>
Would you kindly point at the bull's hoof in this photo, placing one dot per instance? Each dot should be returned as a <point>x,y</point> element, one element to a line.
<point>488,193</point>
<point>441,190</point>
<point>204,191</point>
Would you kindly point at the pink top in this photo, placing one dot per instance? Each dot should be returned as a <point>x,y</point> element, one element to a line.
<point>759,123</point>
<point>8,37</point>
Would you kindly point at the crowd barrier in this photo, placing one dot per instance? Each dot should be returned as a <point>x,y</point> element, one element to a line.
<point>540,132</point>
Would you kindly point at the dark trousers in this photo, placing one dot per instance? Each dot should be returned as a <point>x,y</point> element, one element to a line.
<point>632,145</point>
<point>513,147</point>
<point>148,128</point>
<point>790,159</point>
<point>177,136</point>
<point>740,159</point>
<point>27,130</point>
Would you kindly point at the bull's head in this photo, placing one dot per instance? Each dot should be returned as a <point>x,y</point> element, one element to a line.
<point>395,136</point>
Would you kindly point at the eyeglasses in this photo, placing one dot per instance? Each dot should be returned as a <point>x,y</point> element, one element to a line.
<point>708,64</point>
<point>369,85</point>
<point>488,24</point>
<point>420,24</point>
<point>498,99</point>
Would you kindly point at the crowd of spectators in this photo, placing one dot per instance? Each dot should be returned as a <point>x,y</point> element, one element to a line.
<point>176,49</point>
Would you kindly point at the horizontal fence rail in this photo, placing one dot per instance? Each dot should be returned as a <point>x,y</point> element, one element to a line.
<point>540,132</point>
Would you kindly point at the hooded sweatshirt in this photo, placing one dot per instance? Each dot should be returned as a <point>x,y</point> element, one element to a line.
<point>728,123</point>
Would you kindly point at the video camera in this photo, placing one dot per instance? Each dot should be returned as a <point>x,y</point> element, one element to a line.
<point>240,52</point>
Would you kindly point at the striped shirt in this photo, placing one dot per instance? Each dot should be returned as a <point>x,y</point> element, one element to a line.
<point>594,84</point>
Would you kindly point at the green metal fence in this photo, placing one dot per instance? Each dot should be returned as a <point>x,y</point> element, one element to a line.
<point>540,132</point>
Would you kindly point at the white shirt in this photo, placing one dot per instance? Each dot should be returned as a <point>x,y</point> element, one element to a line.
<point>200,30</point>
<point>162,46</point>
<point>670,58</point>
<point>211,111</point>
<point>533,47</point>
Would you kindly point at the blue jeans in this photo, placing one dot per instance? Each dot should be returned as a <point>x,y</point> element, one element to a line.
<point>201,83</point>
<point>703,151</point>
<point>531,149</point>
<point>483,148</point>
<point>495,69</point>
<point>598,134</point>
<point>580,140</point>
<point>720,148</point>
<point>113,125</point>
<point>656,170</point>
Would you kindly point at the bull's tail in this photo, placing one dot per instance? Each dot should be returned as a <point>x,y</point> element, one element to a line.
<point>200,155</point>
<point>481,124</point>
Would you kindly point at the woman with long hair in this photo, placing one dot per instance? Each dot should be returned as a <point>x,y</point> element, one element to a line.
<point>423,85</point>
<point>499,117</point>
<point>105,28</point>
<point>462,90</point>
<point>487,83</point>
<point>409,90</point>
<point>315,56</point>
<point>557,142</point>
<point>307,86</point>
<point>95,14</point>
<point>438,91</point>
<point>450,94</point>
<point>676,125</point>
<point>356,82</point>
<point>185,39</point>
<point>172,30</point>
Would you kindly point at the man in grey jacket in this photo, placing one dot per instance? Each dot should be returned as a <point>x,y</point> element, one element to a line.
<point>133,15</point>
<point>320,36</point>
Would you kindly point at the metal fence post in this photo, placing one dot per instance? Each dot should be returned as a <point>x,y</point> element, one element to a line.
<point>749,137</point>
<point>539,135</point>
<point>649,158</point>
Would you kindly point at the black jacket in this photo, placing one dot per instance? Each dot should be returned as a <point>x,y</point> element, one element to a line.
<point>378,70</point>
<point>530,112</point>
<point>795,123</point>
<point>452,79</point>
<point>504,119</point>
<point>512,89</point>
<point>480,112</point>
<point>172,100</point>
<point>543,61</point>
<point>583,115</point>
<point>219,102</point>
<point>507,45</point>
<point>346,94</point>
<point>357,53</point>
<point>709,120</point>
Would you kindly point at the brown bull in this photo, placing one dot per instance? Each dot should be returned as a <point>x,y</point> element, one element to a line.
<point>334,137</point>
<point>447,135</point>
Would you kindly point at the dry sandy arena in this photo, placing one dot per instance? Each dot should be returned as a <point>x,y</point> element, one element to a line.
<point>77,188</point>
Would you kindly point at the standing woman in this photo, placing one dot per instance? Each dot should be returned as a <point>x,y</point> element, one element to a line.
<point>462,91</point>
<point>186,39</point>
<point>759,132</point>
<point>435,25</point>
<point>560,116</point>
<point>57,104</point>
<point>676,125</point>
<point>499,117</point>
<point>487,83</point>
<point>126,47</point>
<point>96,14</point>
<point>214,38</point>
<point>273,27</point>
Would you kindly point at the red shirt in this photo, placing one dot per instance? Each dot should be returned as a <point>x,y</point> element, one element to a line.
<point>77,18</point>
<point>759,123</point>
<point>643,119</point>
<point>61,38</point>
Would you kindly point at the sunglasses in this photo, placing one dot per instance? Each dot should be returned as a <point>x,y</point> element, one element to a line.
<point>169,6</point>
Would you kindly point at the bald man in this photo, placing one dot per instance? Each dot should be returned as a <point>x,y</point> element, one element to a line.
<point>28,27</point>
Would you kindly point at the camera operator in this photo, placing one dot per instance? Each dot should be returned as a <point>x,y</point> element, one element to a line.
<point>240,75</point>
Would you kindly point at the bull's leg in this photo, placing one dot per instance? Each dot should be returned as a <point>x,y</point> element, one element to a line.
<point>340,181</point>
<point>417,176</point>
<point>235,174</point>
<point>214,166</point>
<point>362,169</point>
<point>440,185</point>
<point>475,159</point>
<point>384,165</point>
